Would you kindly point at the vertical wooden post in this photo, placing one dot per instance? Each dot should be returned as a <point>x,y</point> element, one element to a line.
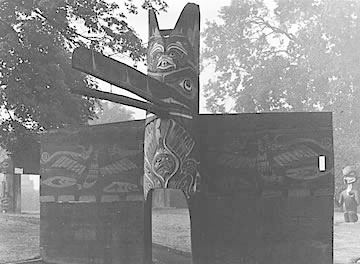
<point>148,230</point>
<point>17,193</point>
<point>7,202</point>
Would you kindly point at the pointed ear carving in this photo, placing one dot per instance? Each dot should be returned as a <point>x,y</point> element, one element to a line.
<point>188,24</point>
<point>154,30</point>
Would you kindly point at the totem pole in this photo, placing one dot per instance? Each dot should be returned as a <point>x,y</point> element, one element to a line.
<point>351,179</point>
<point>350,196</point>
<point>171,157</point>
<point>171,88</point>
<point>171,154</point>
<point>255,170</point>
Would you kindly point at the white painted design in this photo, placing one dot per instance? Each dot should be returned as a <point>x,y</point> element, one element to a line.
<point>84,154</point>
<point>66,198</point>
<point>119,166</point>
<point>59,181</point>
<point>322,163</point>
<point>4,165</point>
<point>92,174</point>
<point>69,164</point>
<point>18,170</point>
<point>299,153</point>
<point>120,187</point>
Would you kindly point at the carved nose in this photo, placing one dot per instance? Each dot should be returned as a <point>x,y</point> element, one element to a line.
<point>164,63</point>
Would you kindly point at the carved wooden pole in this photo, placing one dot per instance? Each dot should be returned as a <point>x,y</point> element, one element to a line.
<point>171,154</point>
<point>171,91</point>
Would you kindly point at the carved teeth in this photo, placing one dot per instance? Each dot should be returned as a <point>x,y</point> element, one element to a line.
<point>181,114</point>
<point>173,101</point>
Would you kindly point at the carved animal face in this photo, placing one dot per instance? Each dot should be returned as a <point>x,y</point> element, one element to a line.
<point>167,157</point>
<point>169,54</point>
<point>173,55</point>
<point>171,60</point>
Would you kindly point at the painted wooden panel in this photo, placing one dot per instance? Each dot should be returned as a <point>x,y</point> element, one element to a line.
<point>92,163</point>
<point>256,202</point>
<point>271,154</point>
<point>267,200</point>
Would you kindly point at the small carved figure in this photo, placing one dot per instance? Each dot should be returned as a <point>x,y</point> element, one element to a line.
<point>349,198</point>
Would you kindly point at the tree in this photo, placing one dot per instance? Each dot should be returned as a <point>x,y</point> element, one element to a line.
<point>111,113</point>
<point>295,56</point>
<point>36,41</point>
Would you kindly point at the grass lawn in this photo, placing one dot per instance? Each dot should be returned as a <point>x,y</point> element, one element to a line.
<point>171,228</point>
<point>346,240</point>
<point>19,237</point>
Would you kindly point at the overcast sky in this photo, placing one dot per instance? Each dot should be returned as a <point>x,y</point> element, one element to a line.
<point>208,12</point>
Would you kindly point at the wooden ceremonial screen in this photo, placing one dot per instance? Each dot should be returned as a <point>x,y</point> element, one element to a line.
<point>261,198</point>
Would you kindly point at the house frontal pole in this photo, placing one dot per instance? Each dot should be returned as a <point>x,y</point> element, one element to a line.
<point>171,156</point>
<point>171,150</point>
<point>171,91</point>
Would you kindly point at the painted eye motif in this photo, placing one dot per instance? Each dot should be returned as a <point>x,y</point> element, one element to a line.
<point>187,85</point>
<point>59,181</point>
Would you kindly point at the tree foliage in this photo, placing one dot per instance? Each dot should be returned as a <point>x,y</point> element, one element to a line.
<point>293,56</point>
<point>110,113</point>
<point>36,41</point>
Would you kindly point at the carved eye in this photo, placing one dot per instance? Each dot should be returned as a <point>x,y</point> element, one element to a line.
<point>187,85</point>
<point>172,54</point>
